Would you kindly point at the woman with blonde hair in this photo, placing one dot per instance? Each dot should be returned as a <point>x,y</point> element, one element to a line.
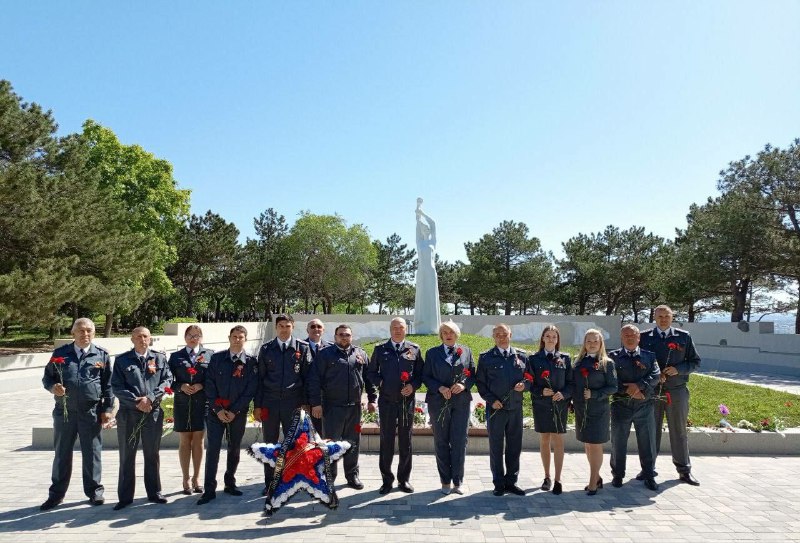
<point>448,374</point>
<point>188,367</point>
<point>595,379</point>
<point>551,391</point>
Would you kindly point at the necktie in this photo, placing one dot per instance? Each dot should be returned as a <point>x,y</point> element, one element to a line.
<point>505,353</point>
<point>450,351</point>
<point>397,347</point>
<point>663,335</point>
<point>631,353</point>
<point>550,356</point>
<point>283,347</point>
<point>83,354</point>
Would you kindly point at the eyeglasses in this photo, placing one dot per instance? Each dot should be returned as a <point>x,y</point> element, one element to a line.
<point>195,336</point>
<point>344,335</point>
<point>315,326</point>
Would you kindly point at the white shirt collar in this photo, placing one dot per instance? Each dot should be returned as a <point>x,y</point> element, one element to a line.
<point>78,349</point>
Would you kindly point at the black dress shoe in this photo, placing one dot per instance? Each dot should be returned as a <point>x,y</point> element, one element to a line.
<point>406,487</point>
<point>616,482</point>
<point>50,503</point>
<point>651,484</point>
<point>514,489</point>
<point>498,491</point>
<point>97,500</point>
<point>546,484</point>
<point>206,497</point>
<point>640,475</point>
<point>157,498</point>
<point>233,491</point>
<point>121,505</point>
<point>688,478</point>
<point>355,482</point>
<point>385,488</point>
<point>557,488</point>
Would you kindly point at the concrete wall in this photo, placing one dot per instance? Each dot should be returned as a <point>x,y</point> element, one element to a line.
<point>746,347</point>
<point>722,346</point>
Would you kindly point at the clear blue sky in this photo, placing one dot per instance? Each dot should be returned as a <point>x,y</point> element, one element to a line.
<point>566,116</point>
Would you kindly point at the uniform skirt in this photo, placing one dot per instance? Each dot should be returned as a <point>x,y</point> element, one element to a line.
<point>189,412</point>
<point>592,420</point>
<point>549,417</point>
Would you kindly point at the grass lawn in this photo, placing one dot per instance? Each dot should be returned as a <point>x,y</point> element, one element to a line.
<point>752,403</point>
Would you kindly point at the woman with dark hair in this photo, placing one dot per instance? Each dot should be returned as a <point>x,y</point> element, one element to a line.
<point>550,394</point>
<point>188,367</point>
<point>595,378</point>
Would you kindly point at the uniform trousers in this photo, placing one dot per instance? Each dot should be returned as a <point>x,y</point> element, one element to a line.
<point>677,413</point>
<point>505,441</point>
<point>150,436</point>
<point>81,424</point>
<point>624,412</point>
<point>343,423</point>
<point>216,432</point>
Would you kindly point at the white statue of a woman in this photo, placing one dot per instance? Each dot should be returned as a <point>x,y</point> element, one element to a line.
<point>426,303</point>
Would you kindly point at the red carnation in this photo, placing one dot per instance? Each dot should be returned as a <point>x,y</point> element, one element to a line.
<point>405,377</point>
<point>222,402</point>
<point>546,374</point>
<point>57,360</point>
<point>191,371</point>
<point>467,373</point>
<point>672,346</point>
<point>418,409</point>
<point>669,398</point>
<point>585,372</point>
<point>481,405</point>
<point>168,391</point>
<point>527,376</point>
<point>459,351</point>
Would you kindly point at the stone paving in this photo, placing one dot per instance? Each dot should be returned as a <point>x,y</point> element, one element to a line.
<point>740,499</point>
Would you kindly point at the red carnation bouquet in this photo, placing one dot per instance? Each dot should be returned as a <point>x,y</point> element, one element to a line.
<point>137,431</point>
<point>58,363</point>
<point>460,378</point>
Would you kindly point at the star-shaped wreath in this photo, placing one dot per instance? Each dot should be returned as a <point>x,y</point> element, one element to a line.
<point>301,461</point>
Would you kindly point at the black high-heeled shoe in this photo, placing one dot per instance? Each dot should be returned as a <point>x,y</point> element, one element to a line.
<point>593,492</point>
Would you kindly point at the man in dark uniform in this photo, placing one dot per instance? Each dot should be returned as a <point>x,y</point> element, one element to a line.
<point>315,329</point>
<point>282,366</point>
<point>335,386</point>
<point>79,377</point>
<point>140,379</point>
<point>396,369</point>
<point>637,376</point>
<point>230,385</point>
<point>677,359</point>
<point>501,382</point>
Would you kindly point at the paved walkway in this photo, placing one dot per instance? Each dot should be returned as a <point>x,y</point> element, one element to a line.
<point>784,383</point>
<point>740,499</point>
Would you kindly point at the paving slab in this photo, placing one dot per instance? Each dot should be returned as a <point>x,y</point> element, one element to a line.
<point>741,498</point>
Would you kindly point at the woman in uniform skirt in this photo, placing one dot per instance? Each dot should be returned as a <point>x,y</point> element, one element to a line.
<point>188,367</point>
<point>550,394</point>
<point>595,379</point>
